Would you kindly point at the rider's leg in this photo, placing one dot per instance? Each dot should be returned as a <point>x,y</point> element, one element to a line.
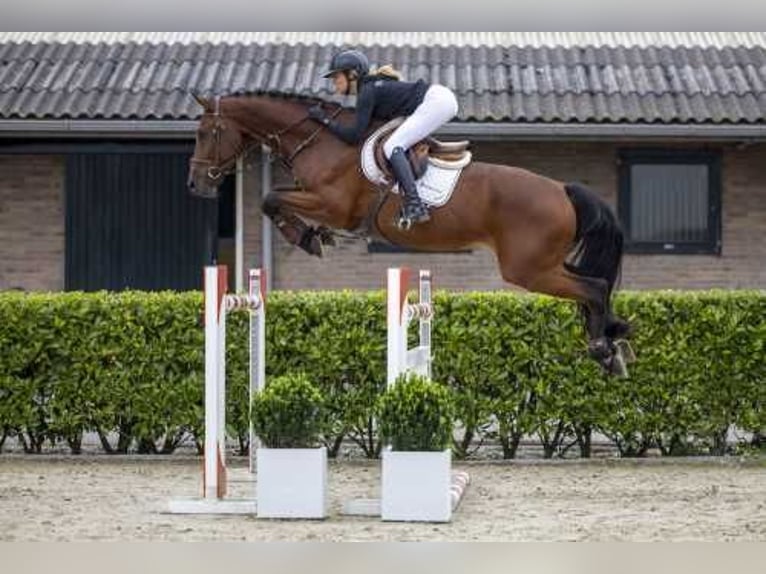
<point>439,106</point>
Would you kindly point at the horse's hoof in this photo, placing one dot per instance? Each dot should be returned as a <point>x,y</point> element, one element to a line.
<point>600,349</point>
<point>617,365</point>
<point>311,244</point>
<point>326,237</point>
<point>316,247</point>
<point>624,348</point>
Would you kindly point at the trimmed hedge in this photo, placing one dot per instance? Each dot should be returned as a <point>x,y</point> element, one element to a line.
<point>289,413</point>
<point>129,366</point>
<point>416,414</point>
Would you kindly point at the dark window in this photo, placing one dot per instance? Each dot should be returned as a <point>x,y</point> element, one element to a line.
<point>670,201</point>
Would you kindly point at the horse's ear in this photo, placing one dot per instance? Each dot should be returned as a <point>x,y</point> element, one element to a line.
<point>201,101</point>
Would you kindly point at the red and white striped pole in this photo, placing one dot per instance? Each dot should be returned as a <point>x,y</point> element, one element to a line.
<point>217,304</point>
<point>214,479</point>
<point>257,289</point>
<point>400,313</point>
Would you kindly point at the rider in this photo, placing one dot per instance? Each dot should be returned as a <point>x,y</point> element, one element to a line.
<point>383,96</point>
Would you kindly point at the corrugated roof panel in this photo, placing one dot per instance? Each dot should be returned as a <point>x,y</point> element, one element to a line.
<point>225,74</point>
<point>591,107</point>
<point>15,75</point>
<point>141,81</point>
<point>557,109</point>
<point>756,79</point>
<point>648,107</point>
<point>624,77</point>
<point>92,75</point>
<point>535,39</point>
<point>239,82</point>
<point>532,108</point>
<point>521,83</point>
<point>272,80</point>
<point>670,107</point>
<point>39,78</point>
<point>613,80</point>
<point>697,104</point>
<point>164,76</point>
<point>642,79</point>
<point>739,80</point>
<point>289,77</point>
<point>753,112</point>
<point>614,107</point>
<point>758,57</point>
<point>124,74</point>
<point>206,83</point>
<point>54,100</point>
<point>585,108</point>
<point>7,99</point>
<point>498,107</point>
<point>561,81</point>
<point>102,104</point>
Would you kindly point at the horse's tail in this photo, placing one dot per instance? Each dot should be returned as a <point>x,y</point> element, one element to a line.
<point>599,238</point>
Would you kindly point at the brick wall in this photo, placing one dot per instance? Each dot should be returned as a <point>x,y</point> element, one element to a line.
<point>32,218</point>
<point>32,240</point>
<point>742,264</point>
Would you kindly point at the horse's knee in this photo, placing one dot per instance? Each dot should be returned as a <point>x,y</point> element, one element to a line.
<point>270,205</point>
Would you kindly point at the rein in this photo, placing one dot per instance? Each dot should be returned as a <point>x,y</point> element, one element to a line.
<point>216,168</point>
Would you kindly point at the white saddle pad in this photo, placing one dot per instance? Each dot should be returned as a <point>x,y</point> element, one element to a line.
<point>435,187</point>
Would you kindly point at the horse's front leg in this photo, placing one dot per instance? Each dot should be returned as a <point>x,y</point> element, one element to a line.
<point>285,209</point>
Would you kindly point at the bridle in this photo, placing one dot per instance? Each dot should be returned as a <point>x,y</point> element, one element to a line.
<point>217,168</point>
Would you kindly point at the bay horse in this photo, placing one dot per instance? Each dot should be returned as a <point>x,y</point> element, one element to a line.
<point>549,237</point>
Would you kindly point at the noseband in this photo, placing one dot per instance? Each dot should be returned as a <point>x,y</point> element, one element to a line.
<point>217,168</point>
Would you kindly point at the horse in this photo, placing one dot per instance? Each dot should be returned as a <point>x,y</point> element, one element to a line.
<point>549,237</point>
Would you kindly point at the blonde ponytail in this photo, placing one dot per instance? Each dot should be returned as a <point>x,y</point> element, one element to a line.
<point>387,71</point>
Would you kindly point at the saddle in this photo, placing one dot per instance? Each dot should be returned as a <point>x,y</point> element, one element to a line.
<point>423,152</point>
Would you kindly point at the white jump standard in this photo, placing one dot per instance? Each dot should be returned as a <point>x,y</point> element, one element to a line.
<point>400,360</point>
<point>217,304</point>
<point>400,313</point>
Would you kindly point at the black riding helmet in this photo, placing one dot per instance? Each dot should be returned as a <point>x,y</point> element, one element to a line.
<point>349,61</point>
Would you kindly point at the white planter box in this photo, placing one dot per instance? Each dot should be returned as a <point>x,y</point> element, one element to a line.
<point>416,486</point>
<point>291,482</point>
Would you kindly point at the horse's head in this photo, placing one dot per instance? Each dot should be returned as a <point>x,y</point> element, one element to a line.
<point>218,143</point>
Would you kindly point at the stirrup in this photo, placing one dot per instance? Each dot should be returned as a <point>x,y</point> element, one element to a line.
<point>418,214</point>
<point>404,223</point>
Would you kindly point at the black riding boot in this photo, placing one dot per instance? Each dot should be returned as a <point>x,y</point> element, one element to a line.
<point>413,210</point>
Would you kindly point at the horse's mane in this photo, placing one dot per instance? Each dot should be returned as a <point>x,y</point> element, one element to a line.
<point>305,99</point>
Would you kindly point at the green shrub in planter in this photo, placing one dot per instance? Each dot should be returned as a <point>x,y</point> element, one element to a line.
<point>289,413</point>
<point>416,415</point>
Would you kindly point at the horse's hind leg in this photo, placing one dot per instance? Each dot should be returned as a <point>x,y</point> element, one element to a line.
<point>591,293</point>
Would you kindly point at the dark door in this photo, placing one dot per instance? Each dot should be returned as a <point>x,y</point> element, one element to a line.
<point>131,223</point>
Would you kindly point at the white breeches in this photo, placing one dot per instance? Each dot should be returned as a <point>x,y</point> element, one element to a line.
<point>438,107</point>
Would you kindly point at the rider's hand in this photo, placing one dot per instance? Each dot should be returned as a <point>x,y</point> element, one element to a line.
<point>317,113</point>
